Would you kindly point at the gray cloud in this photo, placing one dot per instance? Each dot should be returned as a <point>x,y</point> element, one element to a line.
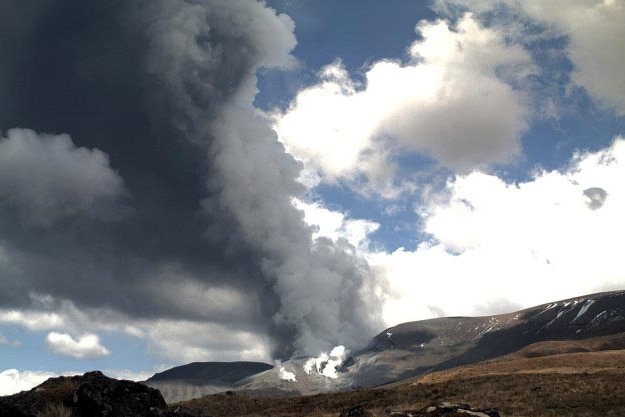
<point>48,179</point>
<point>165,89</point>
<point>596,197</point>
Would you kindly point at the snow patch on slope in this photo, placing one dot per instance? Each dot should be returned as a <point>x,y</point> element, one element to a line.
<point>583,310</point>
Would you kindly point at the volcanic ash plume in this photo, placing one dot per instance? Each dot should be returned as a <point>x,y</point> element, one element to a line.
<point>319,286</point>
<point>327,364</point>
<point>285,375</point>
<point>158,96</point>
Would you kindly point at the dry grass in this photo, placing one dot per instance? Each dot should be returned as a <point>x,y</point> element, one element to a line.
<point>55,410</point>
<point>584,384</point>
<point>60,389</point>
<point>568,363</point>
<point>611,342</point>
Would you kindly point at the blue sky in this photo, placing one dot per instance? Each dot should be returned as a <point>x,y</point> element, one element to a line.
<point>453,158</point>
<point>383,31</point>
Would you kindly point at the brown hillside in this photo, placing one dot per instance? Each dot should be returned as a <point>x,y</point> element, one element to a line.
<point>582,384</point>
<point>561,357</point>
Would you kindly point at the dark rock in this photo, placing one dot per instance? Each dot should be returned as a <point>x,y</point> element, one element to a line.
<point>357,411</point>
<point>100,396</point>
<point>446,410</point>
<point>89,395</point>
<point>178,411</point>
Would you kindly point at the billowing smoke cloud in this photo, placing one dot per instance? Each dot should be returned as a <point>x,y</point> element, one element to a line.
<point>327,364</point>
<point>157,97</point>
<point>47,179</point>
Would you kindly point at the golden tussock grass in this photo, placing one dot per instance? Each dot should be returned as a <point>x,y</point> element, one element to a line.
<point>55,410</point>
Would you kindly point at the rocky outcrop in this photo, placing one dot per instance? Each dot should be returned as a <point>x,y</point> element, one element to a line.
<point>447,410</point>
<point>90,395</point>
<point>444,409</point>
<point>357,411</point>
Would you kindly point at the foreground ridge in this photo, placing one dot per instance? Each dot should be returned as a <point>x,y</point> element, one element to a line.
<point>90,395</point>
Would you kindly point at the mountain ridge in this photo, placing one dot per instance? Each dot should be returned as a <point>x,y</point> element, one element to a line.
<point>227,372</point>
<point>419,347</point>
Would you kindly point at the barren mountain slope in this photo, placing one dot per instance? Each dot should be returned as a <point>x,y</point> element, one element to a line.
<point>202,378</point>
<point>581,384</point>
<point>415,348</point>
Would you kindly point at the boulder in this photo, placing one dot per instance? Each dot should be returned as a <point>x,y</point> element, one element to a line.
<point>446,410</point>
<point>100,396</point>
<point>90,395</point>
<point>357,411</point>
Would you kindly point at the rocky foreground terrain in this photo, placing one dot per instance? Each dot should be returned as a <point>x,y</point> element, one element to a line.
<point>95,395</point>
<point>90,395</point>
<point>564,378</point>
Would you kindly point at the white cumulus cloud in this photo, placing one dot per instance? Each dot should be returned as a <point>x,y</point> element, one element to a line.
<point>176,341</point>
<point>127,374</point>
<point>440,103</point>
<point>87,346</point>
<point>496,246</point>
<point>32,320</point>
<point>593,28</point>
<point>13,381</point>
